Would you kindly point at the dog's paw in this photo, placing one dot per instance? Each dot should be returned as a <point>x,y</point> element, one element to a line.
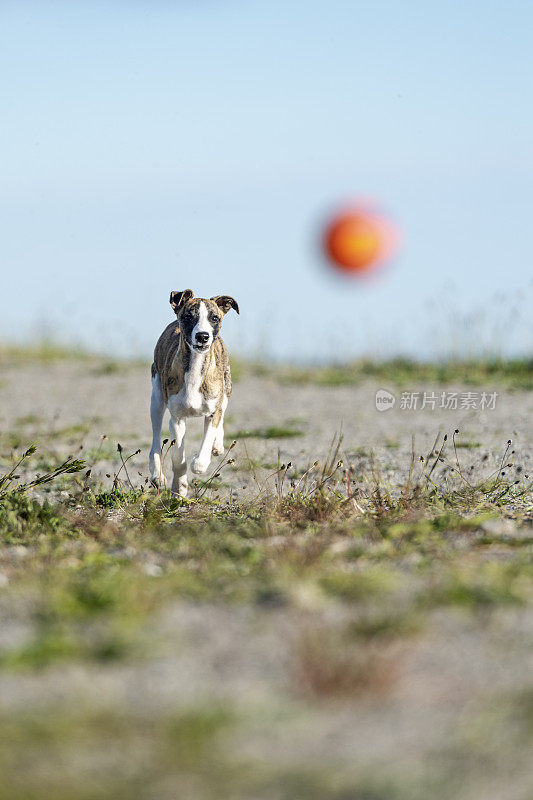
<point>180,487</point>
<point>158,481</point>
<point>199,467</point>
<point>218,448</point>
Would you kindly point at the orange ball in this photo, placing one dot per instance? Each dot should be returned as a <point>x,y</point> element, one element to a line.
<point>358,239</point>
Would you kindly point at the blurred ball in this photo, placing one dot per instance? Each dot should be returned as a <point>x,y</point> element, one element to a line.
<point>359,239</point>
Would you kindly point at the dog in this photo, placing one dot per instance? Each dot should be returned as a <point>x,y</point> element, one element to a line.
<point>191,377</point>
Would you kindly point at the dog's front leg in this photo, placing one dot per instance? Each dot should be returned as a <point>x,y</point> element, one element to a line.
<point>179,464</point>
<point>218,444</point>
<point>157,411</point>
<point>202,459</point>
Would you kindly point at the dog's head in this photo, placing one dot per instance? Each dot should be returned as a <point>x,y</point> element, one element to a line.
<point>199,319</point>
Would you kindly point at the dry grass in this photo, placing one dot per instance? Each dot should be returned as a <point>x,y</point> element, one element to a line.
<point>329,662</point>
<point>350,564</point>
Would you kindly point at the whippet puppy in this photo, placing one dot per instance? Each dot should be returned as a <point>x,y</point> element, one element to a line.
<point>191,377</point>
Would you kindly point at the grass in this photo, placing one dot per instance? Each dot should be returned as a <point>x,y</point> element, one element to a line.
<point>102,754</point>
<point>175,743</point>
<point>514,373</point>
<point>332,663</point>
<point>270,432</point>
<point>339,574</point>
<point>510,373</point>
<point>177,755</point>
<point>338,534</point>
<point>49,351</point>
<point>46,351</point>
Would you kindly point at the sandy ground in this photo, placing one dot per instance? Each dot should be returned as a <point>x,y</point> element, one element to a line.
<point>55,399</point>
<point>448,678</point>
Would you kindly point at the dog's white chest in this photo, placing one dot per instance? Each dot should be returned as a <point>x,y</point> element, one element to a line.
<point>192,397</point>
<point>190,401</point>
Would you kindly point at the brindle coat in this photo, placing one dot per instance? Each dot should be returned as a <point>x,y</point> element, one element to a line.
<point>171,362</point>
<point>191,377</point>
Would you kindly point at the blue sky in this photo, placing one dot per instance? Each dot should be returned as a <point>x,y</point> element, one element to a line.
<point>150,146</point>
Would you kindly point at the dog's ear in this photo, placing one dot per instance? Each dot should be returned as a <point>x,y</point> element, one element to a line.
<point>225,302</point>
<point>177,299</point>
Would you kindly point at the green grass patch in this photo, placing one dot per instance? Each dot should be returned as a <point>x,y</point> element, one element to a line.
<point>511,373</point>
<point>270,432</point>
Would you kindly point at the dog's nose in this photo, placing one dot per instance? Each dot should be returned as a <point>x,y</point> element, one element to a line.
<point>202,337</point>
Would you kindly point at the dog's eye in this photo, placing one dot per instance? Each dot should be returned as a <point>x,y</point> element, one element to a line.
<point>214,318</point>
